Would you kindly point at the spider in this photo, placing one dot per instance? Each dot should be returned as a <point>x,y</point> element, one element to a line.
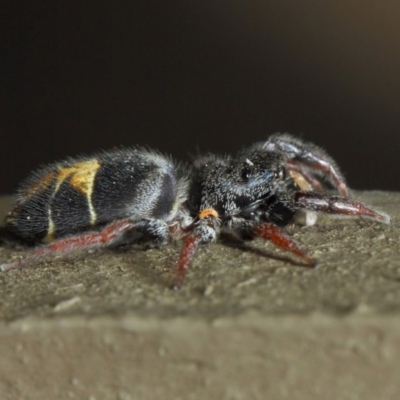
<point>91,202</point>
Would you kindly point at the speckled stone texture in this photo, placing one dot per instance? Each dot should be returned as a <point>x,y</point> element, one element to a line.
<point>246,325</point>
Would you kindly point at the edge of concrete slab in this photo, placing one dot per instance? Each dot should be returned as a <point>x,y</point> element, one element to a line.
<point>251,356</point>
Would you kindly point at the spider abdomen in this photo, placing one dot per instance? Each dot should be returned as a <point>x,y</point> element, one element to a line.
<point>78,194</point>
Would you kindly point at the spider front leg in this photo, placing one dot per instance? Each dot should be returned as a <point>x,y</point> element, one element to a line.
<point>337,205</point>
<point>205,231</point>
<point>112,233</point>
<point>309,161</point>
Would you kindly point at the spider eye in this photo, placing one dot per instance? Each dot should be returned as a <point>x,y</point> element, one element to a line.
<point>245,173</point>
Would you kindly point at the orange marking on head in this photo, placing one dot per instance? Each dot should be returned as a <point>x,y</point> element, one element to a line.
<point>207,213</point>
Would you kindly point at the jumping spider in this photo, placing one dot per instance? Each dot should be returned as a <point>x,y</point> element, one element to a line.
<point>93,202</point>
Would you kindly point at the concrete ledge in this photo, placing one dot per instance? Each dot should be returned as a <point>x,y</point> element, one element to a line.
<point>246,325</point>
<point>248,357</point>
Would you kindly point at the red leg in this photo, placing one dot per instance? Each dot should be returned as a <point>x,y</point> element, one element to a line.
<point>189,248</point>
<point>282,240</point>
<point>337,205</point>
<point>86,241</point>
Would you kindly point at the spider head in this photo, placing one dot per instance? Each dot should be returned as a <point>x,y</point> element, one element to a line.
<point>239,186</point>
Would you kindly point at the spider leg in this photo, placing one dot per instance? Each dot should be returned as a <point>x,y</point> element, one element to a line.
<point>302,176</point>
<point>279,238</point>
<point>337,205</point>
<point>303,157</point>
<point>108,235</point>
<point>205,231</point>
<point>188,251</point>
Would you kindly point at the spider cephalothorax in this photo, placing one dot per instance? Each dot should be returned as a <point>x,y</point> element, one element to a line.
<point>262,188</point>
<point>235,186</point>
<point>93,202</point>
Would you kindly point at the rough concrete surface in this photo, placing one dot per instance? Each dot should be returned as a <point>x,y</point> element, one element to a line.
<point>251,324</point>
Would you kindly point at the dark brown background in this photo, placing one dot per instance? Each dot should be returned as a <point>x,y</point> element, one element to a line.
<point>216,75</point>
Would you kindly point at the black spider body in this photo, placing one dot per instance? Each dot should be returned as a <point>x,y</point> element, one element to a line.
<point>96,201</point>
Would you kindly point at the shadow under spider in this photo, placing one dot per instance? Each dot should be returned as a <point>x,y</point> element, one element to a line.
<point>232,240</point>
